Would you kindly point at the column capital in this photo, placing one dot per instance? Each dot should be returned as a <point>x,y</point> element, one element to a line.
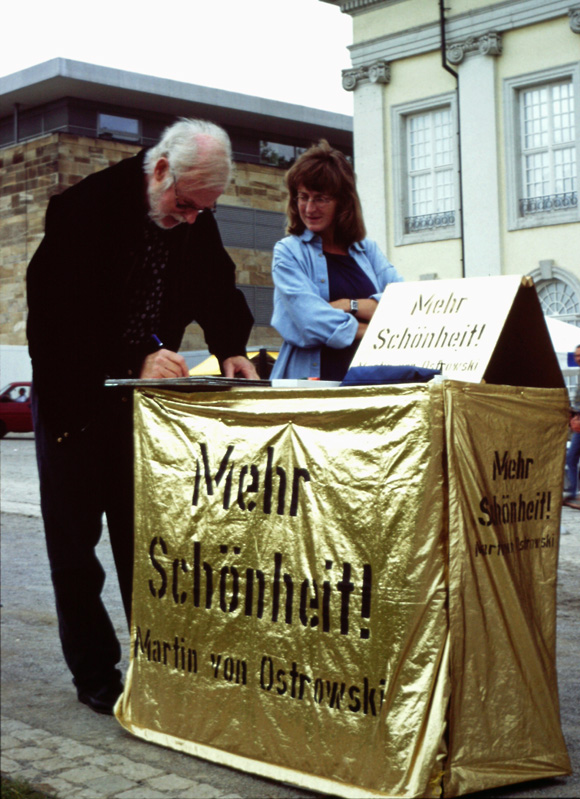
<point>378,72</point>
<point>574,14</point>
<point>488,44</point>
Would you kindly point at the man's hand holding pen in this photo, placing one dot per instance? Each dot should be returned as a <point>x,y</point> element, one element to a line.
<point>164,364</point>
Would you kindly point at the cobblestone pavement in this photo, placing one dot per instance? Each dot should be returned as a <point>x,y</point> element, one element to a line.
<point>63,748</point>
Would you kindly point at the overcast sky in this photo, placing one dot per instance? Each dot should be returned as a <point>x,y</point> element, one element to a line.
<point>289,50</point>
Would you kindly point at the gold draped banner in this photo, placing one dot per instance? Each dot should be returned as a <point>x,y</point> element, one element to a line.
<point>505,452</point>
<point>352,590</point>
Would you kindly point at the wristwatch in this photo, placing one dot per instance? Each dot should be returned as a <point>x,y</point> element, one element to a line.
<point>354,307</point>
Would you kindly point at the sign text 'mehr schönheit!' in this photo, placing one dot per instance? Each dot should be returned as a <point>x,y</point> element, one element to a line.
<point>266,589</point>
<point>429,335</point>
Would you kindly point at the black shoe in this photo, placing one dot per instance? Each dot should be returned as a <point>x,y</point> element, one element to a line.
<point>102,701</point>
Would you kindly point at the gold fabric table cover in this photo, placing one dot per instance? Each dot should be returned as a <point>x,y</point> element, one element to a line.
<point>352,590</point>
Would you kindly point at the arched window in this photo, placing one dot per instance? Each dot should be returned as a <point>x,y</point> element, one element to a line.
<point>559,299</point>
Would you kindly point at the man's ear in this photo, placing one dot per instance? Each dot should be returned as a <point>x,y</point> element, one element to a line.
<point>160,169</point>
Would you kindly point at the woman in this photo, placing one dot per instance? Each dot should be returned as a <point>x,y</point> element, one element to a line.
<point>328,277</point>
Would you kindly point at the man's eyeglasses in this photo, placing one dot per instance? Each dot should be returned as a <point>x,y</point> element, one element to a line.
<point>185,206</point>
<point>318,200</point>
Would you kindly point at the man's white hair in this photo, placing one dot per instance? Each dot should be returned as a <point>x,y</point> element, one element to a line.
<point>198,151</point>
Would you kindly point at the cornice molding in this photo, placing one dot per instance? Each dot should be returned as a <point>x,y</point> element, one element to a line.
<point>488,44</point>
<point>574,14</point>
<point>354,7</point>
<point>379,72</point>
<point>502,17</point>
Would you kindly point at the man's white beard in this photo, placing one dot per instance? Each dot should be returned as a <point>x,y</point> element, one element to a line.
<point>154,199</point>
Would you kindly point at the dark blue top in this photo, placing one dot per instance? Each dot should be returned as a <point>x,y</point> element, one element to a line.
<point>345,280</point>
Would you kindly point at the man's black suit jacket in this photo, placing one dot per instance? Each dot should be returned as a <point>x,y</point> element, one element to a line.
<point>81,278</point>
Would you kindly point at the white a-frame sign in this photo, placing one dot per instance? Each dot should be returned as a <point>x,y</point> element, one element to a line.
<point>489,329</point>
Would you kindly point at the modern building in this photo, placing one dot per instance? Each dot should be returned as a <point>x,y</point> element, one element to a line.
<point>466,138</point>
<point>62,120</point>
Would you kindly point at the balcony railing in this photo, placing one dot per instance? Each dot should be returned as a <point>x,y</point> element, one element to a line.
<point>414,224</point>
<point>550,202</point>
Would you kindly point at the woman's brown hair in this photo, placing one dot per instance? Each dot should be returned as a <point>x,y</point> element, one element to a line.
<point>324,169</point>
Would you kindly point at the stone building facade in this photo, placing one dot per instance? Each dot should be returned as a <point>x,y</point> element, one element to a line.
<point>466,120</point>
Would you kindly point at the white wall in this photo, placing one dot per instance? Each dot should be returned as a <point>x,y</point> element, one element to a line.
<point>14,364</point>
<point>370,143</point>
<point>480,166</point>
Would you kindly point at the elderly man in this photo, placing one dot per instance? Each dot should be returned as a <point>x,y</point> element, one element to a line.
<point>131,255</point>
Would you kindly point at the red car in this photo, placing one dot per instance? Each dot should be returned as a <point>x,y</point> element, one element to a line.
<point>15,412</point>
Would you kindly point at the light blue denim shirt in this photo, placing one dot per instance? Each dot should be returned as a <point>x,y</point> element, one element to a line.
<point>302,313</point>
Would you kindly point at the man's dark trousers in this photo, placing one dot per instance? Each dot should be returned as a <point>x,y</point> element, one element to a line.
<point>82,477</point>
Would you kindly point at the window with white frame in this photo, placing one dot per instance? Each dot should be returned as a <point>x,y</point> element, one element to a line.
<point>425,170</point>
<point>542,148</point>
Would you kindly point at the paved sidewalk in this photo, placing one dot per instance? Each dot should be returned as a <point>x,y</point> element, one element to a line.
<point>62,765</point>
<point>62,747</point>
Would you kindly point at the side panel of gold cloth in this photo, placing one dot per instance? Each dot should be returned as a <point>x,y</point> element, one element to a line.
<point>290,598</point>
<point>506,449</point>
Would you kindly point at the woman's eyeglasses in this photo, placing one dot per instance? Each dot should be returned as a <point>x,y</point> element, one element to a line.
<point>317,200</point>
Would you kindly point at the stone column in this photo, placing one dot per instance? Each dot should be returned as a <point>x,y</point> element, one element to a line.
<point>370,144</point>
<point>479,153</point>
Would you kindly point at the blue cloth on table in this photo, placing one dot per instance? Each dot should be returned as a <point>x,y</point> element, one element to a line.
<point>372,375</point>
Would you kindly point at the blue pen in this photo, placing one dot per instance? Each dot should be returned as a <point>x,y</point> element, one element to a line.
<point>157,340</point>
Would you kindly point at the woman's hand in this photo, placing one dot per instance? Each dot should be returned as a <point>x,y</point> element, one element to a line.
<point>366,308</point>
